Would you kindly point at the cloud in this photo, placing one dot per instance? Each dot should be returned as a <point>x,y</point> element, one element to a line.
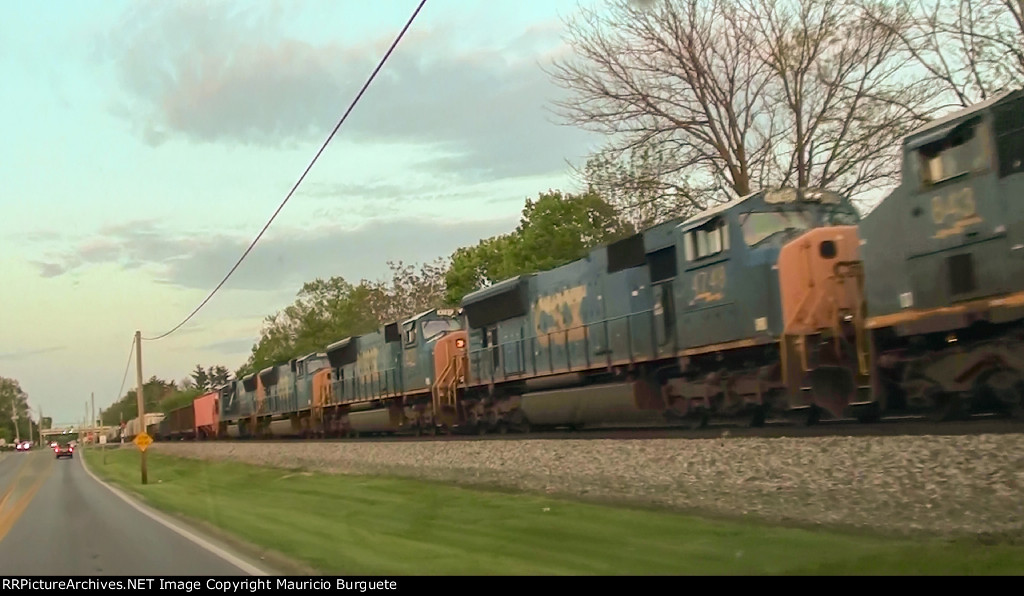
<point>282,260</point>
<point>30,353</point>
<point>198,72</point>
<point>52,269</point>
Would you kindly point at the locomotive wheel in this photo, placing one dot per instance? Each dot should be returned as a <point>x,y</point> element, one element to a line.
<point>948,406</point>
<point>813,416</point>
<point>701,422</point>
<point>1002,390</point>
<point>481,427</point>
<point>757,418</point>
<point>869,414</point>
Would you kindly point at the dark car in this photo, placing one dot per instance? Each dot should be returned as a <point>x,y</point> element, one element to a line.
<point>64,451</point>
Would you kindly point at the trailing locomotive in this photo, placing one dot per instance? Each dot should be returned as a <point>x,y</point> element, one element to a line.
<point>779,302</point>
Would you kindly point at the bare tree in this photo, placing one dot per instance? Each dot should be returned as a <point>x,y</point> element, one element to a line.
<point>739,95</point>
<point>631,183</point>
<point>967,50</point>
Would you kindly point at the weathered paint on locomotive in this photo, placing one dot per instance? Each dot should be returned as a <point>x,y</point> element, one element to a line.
<point>419,335</point>
<point>303,370</point>
<point>953,231</point>
<point>692,288</point>
<point>825,349</point>
<point>944,262</point>
<point>392,368</point>
<point>279,384</point>
<point>367,367</point>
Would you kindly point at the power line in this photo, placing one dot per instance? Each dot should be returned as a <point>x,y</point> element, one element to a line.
<point>127,366</point>
<point>301,178</point>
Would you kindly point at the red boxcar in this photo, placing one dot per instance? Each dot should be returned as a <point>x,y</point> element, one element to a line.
<point>207,415</point>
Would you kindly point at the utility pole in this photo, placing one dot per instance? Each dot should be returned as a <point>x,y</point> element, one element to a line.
<point>103,438</point>
<point>30,439</point>
<point>14,418</point>
<point>95,433</point>
<point>142,401</point>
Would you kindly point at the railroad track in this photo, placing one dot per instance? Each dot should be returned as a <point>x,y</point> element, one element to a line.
<point>908,426</point>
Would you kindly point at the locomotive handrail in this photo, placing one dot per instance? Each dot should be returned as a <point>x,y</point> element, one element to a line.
<point>482,374</point>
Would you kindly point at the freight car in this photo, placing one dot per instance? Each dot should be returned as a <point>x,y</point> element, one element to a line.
<point>178,424</point>
<point>942,266</point>
<point>197,419</point>
<point>152,426</point>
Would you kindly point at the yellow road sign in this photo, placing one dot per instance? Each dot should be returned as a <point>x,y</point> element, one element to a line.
<point>142,440</point>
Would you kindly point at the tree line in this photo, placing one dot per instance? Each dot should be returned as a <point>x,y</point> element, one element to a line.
<point>15,414</point>
<point>699,102</point>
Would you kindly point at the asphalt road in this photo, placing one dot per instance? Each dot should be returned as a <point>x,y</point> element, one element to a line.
<point>57,519</point>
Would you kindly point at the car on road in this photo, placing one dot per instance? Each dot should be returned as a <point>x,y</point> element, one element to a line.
<point>64,450</point>
<point>24,446</point>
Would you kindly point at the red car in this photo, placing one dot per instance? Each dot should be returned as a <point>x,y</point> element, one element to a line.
<point>64,451</point>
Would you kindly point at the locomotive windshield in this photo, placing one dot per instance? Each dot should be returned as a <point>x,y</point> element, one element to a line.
<point>433,329</point>
<point>773,228</point>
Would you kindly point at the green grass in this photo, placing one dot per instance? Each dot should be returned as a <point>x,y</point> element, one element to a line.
<point>380,525</point>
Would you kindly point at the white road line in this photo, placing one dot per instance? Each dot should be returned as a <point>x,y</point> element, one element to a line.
<point>230,558</point>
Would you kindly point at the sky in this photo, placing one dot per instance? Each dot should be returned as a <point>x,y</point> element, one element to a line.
<point>145,144</point>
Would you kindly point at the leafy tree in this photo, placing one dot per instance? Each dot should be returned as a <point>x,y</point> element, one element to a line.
<point>14,406</point>
<point>179,399</point>
<point>410,291</point>
<point>154,391</point>
<point>207,379</point>
<point>474,267</point>
<point>554,230</point>
<point>200,378</point>
<point>326,311</point>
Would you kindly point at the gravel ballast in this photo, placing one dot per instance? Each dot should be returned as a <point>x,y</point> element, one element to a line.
<point>950,485</point>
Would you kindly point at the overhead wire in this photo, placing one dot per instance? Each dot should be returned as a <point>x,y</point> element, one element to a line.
<point>127,367</point>
<point>352,105</point>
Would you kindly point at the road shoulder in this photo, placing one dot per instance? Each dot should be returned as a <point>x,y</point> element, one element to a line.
<point>250,558</point>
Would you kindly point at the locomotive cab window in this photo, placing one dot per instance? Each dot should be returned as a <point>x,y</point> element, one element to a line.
<point>773,228</point>
<point>963,151</point>
<point>434,329</point>
<point>1009,126</point>
<point>707,240</point>
<point>410,334</point>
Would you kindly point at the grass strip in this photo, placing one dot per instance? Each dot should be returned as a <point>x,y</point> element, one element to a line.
<point>365,525</point>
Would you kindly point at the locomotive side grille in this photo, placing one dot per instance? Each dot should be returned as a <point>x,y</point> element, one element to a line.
<point>961,274</point>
